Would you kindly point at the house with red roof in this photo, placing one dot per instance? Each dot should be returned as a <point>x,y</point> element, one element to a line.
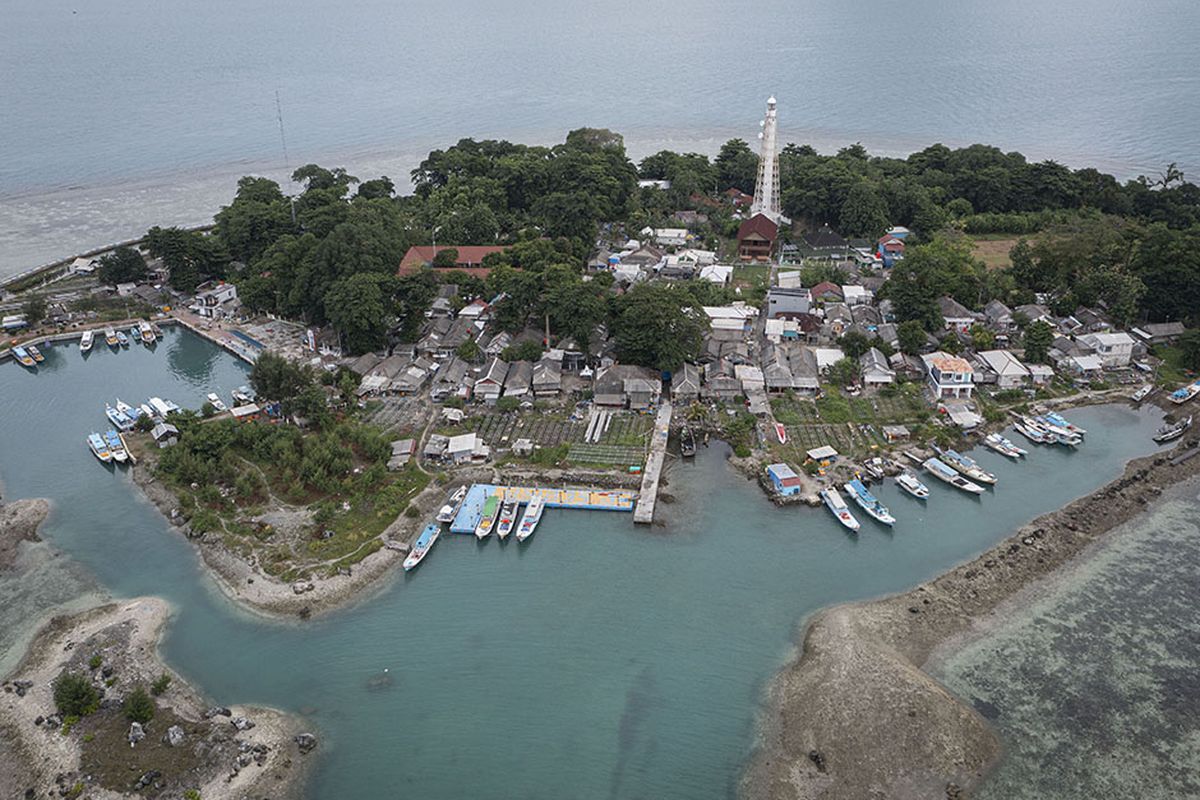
<point>756,238</point>
<point>826,292</point>
<point>469,259</point>
<point>890,249</point>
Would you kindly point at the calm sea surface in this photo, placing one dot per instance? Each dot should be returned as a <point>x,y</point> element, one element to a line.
<point>599,660</point>
<point>118,116</point>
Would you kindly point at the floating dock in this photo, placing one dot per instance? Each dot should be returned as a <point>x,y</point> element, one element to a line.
<point>644,513</point>
<point>582,499</point>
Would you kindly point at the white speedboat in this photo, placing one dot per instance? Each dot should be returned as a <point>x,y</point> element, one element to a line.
<point>965,465</point>
<point>243,396</point>
<point>217,402</point>
<point>147,332</point>
<point>869,503</point>
<point>508,518</point>
<point>122,339</point>
<point>837,506</point>
<point>117,418</point>
<point>529,521</point>
<point>487,519</point>
<point>1142,393</point>
<point>944,472</point>
<point>453,503</point>
<point>116,447</point>
<point>422,546</point>
<point>912,484</point>
<point>98,447</point>
<point>128,410</point>
<point>1003,446</point>
<point>86,341</point>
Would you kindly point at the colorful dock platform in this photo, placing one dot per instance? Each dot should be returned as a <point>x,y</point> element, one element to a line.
<point>581,499</point>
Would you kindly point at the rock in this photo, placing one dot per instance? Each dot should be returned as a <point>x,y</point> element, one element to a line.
<point>244,760</point>
<point>300,587</point>
<point>175,736</point>
<point>147,779</point>
<point>218,711</point>
<point>306,742</point>
<point>136,734</point>
<point>107,671</point>
<point>241,723</point>
<point>39,720</point>
<point>54,721</point>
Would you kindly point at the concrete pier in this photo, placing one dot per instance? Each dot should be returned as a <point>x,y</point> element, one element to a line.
<point>644,511</point>
<point>582,499</point>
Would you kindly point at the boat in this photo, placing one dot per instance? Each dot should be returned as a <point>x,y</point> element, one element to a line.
<point>781,432</point>
<point>147,332</point>
<point>146,410</point>
<point>122,339</point>
<point>1180,396</point>
<point>533,514</point>
<point>243,396</point>
<point>217,402</point>
<point>912,484</point>
<point>965,465</point>
<point>135,335</point>
<point>1058,433</point>
<point>1171,432</point>
<point>454,502</point>
<point>162,407</point>
<point>508,518</point>
<point>98,447</point>
<point>422,546</point>
<point>687,442</point>
<point>33,351</point>
<point>1004,446</point>
<point>1142,393</point>
<point>1034,433</point>
<point>117,418</point>
<point>110,338</point>
<point>487,519</point>
<point>1062,422</point>
<point>874,467</point>
<point>22,356</point>
<point>869,503</point>
<point>85,343</point>
<point>128,410</point>
<point>837,506</point>
<point>945,472</point>
<point>116,446</point>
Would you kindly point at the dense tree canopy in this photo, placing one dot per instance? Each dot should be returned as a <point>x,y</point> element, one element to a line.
<point>123,265</point>
<point>658,326</point>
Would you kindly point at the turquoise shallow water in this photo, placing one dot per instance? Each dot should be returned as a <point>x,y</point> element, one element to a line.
<point>599,660</point>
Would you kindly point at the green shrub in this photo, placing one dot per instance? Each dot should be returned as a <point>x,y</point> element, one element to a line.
<point>191,794</point>
<point>74,695</point>
<point>507,404</point>
<point>95,661</point>
<point>412,512</point>
<point>138,706</point>
<point>160,684</point>
<point>741,450</point>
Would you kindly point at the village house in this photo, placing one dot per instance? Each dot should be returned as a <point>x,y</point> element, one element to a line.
<point>666,237</point>
<point>165,434</point>
<point>685,384</point>
<point>1033,312</point>
<point>215,301</point>
<point>490,382</point>
<point>781,301</point>
<point>451,380</point>
<point>855,295</point>
<point>956,316</point>
<point>999,317</point>
<point>826,292</point>
<point>627,385</point>
<point>827,244</point>
<point>547,376</point>
<point>784,479</point>
<point>756,238</point>
<point>1083,367</point>
<point>1114,349</point>
<point>1158,332</point>
<point>468,258</point>
<point>1009,371</point>
<point>890,249</point>
<point>518,382</point>
<point>719,274</point>
<point>948,376</point>
<point>875,369</point>
<point>467,447</point>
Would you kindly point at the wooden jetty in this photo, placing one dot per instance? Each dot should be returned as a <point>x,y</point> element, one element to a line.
<point>644,513</point>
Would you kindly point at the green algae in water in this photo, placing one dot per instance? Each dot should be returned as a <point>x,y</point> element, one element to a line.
<point>1094,686</point>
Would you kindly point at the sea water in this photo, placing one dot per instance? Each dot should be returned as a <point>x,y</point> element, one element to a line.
<point>598,659</point>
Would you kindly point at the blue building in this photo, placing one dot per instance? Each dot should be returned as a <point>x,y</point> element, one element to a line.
<point>785,480</point>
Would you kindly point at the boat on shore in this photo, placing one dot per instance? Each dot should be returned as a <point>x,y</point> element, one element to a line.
<point>1142,393</point>
<point>217,402</point>
<point>875,467</point>
<point>1004,446</point>
<point>1180,396</point>
<point>508,518</point>
<point>119,419</point>
<point>533,515</point>
<point>965,465</point>
<point>781,433</point>
<point>147,332</point>
<point>449,511</point>
<point>869,503</point>
<point>110,338</point>
<point>945,472</point>
<point>86,341</point>
<point>1171,432</point>
<point>243,396</point>
<point>33,351</point>
<point>837,506</point>
<point>912,484</point>
<point>115,446</point>
<point>687,442</point>
<point>22,356</point>
<point>422,546</point>
<point>487,519</point>
<point>98,447</point>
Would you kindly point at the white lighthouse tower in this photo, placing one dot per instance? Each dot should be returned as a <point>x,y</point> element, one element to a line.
<point>766,188</point>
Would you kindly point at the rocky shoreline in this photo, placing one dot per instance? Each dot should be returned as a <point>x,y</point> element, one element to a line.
<point>855,716</point>
<point>187,746</point>
<point>19,522</point>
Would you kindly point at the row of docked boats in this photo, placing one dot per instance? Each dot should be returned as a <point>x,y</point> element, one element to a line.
<point>124,416</point>
<point>27,355</point>
<point>108,447</point>
<point>1049,428</point>
<point>142,332</point>
<point>501,516</point>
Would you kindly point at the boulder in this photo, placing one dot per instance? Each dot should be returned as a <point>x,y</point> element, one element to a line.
<point>217,711</point>
<point>241,723</point>
<point>136,733</point>
<point>306,742</point>
<point>175,736</point>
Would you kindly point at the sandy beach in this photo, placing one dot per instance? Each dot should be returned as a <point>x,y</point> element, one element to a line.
<point>855,716</point>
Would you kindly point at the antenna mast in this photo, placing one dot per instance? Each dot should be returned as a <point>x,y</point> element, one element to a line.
<point>283,142</point>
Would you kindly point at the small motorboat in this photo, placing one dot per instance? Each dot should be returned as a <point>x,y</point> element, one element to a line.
<point>944,472</point>
<point>869,503</point>
<point>491,508</point>
<point>119,420</point>
<point>687,442</point>
<point>243,396</point>
<point>875,467</point>
<point>147,332</point>
<point>1004,446</point>
<point>422,546</point>
<point>912,484</point>
<point>449,511</point>
<point>98,447</point>
<point>781,433</point>
<point>1142,393</point>
<point>1171,432</point>
<point>837,506</point>
<point>22,356</point>
<point>115,446</point>
<point>37,354</point>
<point>508,518</point>
<point>85,342</point>
<point>533,514</point>
<point>110,338</point>
<point>1182,395</point>
<point>122,339</point>
<point>217,402</point>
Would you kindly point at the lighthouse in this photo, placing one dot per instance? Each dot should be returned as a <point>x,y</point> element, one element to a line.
<point>766,188</point>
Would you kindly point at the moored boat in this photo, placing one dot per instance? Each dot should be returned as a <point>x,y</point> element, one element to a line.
<point>119,420</point>
<point>422,546</point>
<point>874,467</point>
<point>529,521</point>
<point>85,342</point>
<point>162,407</point>
<point>869,503</point>
<point>448,512</point>
<point>1003,446</point>
<point>115,446</point>
<point>22,356</point>
<point>147,332</point>
<point>837,506</point>
<point>945,472</point>
<point>1064,423</point>
<point>1056,432</point>
<point>491,507</point>
<point>128,410</point>
<point>1171,432</point>
<point>243,396</point>
<point>687,442</point>
<point>122,339</point>
<point>912,484</point>
<point>965,465</point>
<point>1035,434</point>
<point>1180,396</point>
<point>217,402</point>
<point>37,354</point>
<point>110,338</point>
<point>98,447</point>
<point>508,518</point>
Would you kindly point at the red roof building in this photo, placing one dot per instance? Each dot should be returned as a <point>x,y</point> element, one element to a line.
<point>738,198</point>
<point>756,238</point>
<point>470,258</point>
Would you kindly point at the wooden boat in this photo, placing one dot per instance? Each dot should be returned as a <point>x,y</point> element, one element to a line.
<point>912,484</point>
<point>1003,446</point>
<point>508,518</point>
<point>448,512</point>
<point>687,442</point>
<point>22,356</point>
<point>944,472</point>
<point>422,546</point>
<point>115,446</point>
<point>1035,434</point>
<point>1057,433</point>
<point>1062,422</point>
<point>869,503</point>
<point>491,507</point>
<point>837,506</point>
<point>37,354</point>
<point>1142,393</point>
<point>1171,432</point>
<point>533,515</point>
<point>1180,396</point>
<point>98,447</point>
<point>965,465</point>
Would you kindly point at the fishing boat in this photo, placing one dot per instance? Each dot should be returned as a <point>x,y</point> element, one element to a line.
<point>85,342</point>
<point>687,442</point>
<point>454,502</point>
<point>1142,393</point>
<point>128,410</point>
<point>837,506</point>
<point>1180,396</point>
<point>98,447</point>
<point>1171,432</point>
<point>135,335</point>
<point>508,518</point>
<point>533,514</point>
<point>487,519</point>
<point>1057,432</point>
<point>216,401</point>
<point>147,332</point>
<point>115,446</point>
<point>22,356</point>
<point>869,503</point>
<point>37,354</point>
<point>912,484</point>
<point>965,465</point>
<point>1062,422</point>
<point>1034,433</point>
<point>117,418</point>
<point>944,472</point>
<point>122,339</point>
<point>422,546</point>
<point>243,396</point>
<point>1004,446</point>
<point>874,467</point>
<point>162,407</point>
<point>110,338</point>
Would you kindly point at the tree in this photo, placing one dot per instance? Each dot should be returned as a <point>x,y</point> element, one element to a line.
<point>911,336</point>
<point>1189,346</point>
<point>123,265</point>
<point>658,326</point>
<point>34,309</point>
<point>854,344</point>
<point>1039,336</point>
<point>377,188</point>
<point>844,372</point>
<point>446,257</point>
<point>864,212</point>
<point>469,351</point>
<point>276,378</point>
<point>138,706</point>
<point>737,166</point>
<point>359,307</point>
<point>982,338</point>
<point>257,217</point>
<point>525,351</point>
<point>74,695</point>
